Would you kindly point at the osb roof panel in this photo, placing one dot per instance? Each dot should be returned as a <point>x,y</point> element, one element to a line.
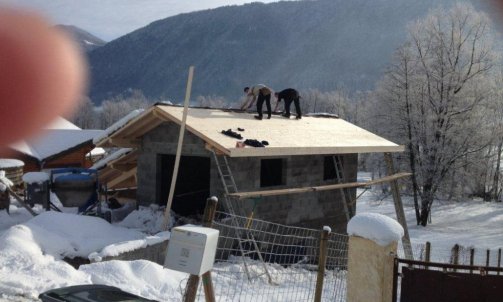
<point>309,135</point>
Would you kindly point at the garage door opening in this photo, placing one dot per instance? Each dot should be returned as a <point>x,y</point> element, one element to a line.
<point>192,185</point>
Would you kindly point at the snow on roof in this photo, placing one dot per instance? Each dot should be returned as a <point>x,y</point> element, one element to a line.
<point>103,162</point>
<point>35,177</point>
<point>322,114</point>
<point>381,229</point>
<point>61,123</point>
<point>57,137</point>
<point>117,125</point>
<point>6,163</point>
<point>55,141</point>
<point>96,152</point>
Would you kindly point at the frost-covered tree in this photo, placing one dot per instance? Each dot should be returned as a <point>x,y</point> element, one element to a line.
<point>85,115</point>
<point>435,96</point>
<point>117,107</point>
<point>212,101</point>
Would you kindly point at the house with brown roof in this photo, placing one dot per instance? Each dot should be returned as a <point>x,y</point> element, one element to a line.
<point>293,179</point>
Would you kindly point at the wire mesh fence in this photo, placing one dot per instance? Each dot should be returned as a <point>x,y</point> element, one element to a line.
<point>418,250</point>
<point>263,261</point>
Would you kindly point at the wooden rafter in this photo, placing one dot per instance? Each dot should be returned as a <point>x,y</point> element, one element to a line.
<point>122,177</point>
<point>243,195</point>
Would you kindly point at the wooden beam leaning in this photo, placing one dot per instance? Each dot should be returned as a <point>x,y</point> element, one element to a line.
<point>400,215</point>
<point>389,178</point>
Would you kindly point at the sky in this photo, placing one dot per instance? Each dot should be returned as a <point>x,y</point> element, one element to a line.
<point>111,19</point>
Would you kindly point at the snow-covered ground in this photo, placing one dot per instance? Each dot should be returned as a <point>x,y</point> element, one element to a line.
<point>31,249</point>
<point>469,223</point>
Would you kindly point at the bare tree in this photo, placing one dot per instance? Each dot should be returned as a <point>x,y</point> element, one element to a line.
<point>435,96</point>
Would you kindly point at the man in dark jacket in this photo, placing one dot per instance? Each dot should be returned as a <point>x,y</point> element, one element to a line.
<point>289,95</point>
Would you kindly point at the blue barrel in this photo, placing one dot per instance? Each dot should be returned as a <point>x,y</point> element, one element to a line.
<point>75,189</point>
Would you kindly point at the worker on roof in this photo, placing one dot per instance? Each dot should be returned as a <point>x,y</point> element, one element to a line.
<point>289,95</point>
<point>260,93</point>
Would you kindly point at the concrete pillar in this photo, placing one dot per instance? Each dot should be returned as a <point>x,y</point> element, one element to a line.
<point>370,270</point>
<point>372,249</point>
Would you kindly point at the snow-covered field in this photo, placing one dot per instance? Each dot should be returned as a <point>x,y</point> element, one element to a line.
<point>468,223</point>
<point>31,249</point>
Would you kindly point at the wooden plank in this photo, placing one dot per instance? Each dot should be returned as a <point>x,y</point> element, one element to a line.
<point>243,195</point>
<point>178,155</point>
<point>281,133</point>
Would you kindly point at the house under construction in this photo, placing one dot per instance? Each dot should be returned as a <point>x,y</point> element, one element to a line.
<point>310,156</point>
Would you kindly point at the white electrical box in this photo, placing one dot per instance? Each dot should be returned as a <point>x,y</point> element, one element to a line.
<point>191,249</point>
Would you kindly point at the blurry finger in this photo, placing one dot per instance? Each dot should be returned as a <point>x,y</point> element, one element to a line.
<point>42,74</point>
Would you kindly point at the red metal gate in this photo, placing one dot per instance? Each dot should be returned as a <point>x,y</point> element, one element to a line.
<point>420,281</point>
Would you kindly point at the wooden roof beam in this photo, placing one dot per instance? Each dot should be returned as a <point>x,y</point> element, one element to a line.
<point>124,176</point>
<point>124,167</point>
<point>243,195</point>
<point>122,142</point>
<point>215,149</point>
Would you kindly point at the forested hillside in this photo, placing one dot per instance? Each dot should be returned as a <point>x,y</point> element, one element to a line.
<point>323,44</point>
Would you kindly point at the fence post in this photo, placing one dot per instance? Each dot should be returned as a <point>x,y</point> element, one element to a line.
<point>487,257</point>
<point>191,289</point>
<point>193,282</point>
<point>455,255</point>
<point>427,252</point>
<point>472,257</point>
<point>499,259</point>
<point>322,261</point>
<point>370,260</point>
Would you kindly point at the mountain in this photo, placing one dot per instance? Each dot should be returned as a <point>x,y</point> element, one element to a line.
<point>323,44</point>
<point>86,40</point>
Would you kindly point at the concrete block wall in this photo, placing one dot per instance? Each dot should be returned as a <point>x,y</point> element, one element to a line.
<point>313,210</point>
<point>161,140</point>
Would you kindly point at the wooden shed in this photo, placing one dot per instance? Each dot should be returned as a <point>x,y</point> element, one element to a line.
<point>307,153</point>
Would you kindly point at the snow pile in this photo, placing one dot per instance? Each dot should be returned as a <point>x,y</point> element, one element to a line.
<point>376,227</point>
<point>70,235</point>
<point>35,177</point>
<point>117,125</point>
<point>30,258</point>
<point>139,277</point>
<point>126,246</point>
<point>147,219</point>
<point>6,163</point>
<point>27,269</point>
